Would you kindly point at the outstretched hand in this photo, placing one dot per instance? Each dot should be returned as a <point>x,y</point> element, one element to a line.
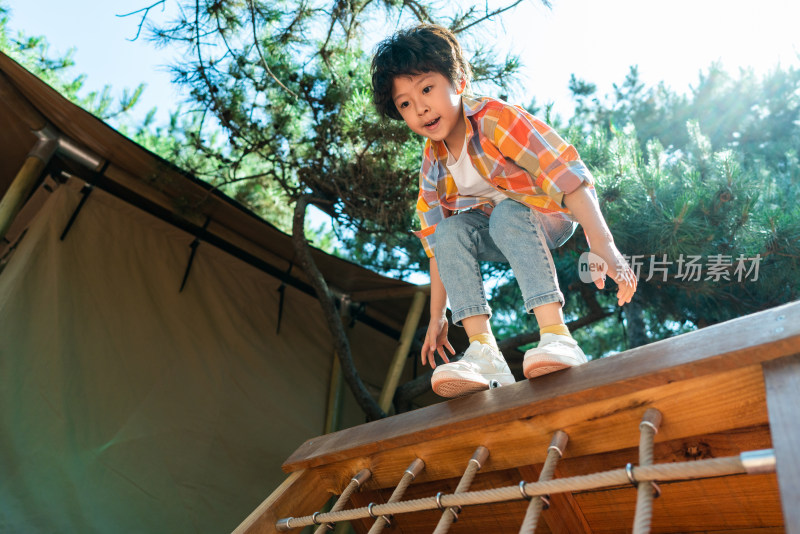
<point>618,270</point>
<point>436,341</point>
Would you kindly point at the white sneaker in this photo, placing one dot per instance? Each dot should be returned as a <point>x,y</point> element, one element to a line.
<point>482,367</point>
<point>554,352</point>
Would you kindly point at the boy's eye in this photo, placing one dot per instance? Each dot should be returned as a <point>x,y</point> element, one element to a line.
<point>402,105</point>
<point>427,89</point>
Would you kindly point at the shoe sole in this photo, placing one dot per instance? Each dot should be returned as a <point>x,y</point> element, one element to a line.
<point>452,385</point>
<point>544,367</point>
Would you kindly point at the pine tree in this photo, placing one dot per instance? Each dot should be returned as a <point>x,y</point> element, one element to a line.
<point>288,85</point>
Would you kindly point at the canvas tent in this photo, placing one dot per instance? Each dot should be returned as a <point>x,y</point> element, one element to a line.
<point>128,404</point>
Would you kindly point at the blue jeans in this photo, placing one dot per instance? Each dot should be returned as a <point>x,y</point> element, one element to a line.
<point>514,234</point>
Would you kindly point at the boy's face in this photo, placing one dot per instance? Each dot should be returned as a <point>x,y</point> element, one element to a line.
<point>430,105</point>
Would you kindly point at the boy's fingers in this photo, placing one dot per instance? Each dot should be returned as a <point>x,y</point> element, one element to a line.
<point>626,292</point>
<point>443,355</point>
<point>427,353</point>
<point>600,283</point>
<point>450,348</point>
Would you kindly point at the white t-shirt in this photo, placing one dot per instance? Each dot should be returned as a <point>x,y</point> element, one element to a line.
<point>468,180</point>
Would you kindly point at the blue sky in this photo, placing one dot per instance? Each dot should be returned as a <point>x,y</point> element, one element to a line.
<point>597,40</point>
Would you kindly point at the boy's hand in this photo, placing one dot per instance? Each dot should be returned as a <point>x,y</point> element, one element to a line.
<point>435,341</point>
<point>618,270</point>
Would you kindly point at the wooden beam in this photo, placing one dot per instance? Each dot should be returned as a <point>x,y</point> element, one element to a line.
<point>746,502</point>
<point>782,380</point>
<point>401,354</point>
<point>333,411</point>
<point>711,351</point>
<point>699,447</point>
<point>718,403</point>
<point>302,493</point>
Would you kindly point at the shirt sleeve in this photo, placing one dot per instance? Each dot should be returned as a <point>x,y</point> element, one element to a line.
<point>553,163</point>
<point>429,208</point>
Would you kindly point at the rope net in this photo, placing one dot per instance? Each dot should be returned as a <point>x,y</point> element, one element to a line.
<point>646,473</point>
<point>711,467</point>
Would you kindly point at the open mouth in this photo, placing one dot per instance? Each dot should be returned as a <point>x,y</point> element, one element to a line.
<point>433,123</point>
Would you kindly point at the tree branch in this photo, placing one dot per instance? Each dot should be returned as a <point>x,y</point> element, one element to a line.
<point>252,9</point>
<point>487,16</point>
<point>341,344</point>
<point>144,17</point>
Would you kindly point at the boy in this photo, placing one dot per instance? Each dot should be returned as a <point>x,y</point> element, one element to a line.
<point>496,184</point>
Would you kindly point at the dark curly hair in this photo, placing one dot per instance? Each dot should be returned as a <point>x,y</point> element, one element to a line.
<point>423,48</point>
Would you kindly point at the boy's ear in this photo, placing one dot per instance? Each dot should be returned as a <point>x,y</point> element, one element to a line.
<point>462,84</point>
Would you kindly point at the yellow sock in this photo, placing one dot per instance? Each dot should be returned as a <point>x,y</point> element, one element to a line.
<point>487,338</point>
<point>560,329</point>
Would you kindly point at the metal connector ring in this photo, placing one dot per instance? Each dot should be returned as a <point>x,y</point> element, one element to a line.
<point>455,510</point>
<point>522,490</point>
<point>545,501</point>
<point>439,501</point>
<point>631,478</point>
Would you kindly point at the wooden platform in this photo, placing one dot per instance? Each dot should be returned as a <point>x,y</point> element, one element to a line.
<point>722,390</point>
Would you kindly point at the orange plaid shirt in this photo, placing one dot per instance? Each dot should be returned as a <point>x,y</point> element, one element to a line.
<point>515,152</point>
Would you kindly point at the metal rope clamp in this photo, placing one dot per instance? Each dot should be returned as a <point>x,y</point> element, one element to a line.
<point>635,483</point>
<point>545,501</point>
<point>454,509</point>
<point>522,490</point>
<point>329,526</point>
<point>387,518</point>
<point>545,498</point>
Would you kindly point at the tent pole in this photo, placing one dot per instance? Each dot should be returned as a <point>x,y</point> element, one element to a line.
<point>39,125</point>
<point>49,142</point>
<point>335,392</point>
<point>24,182</point>
<point>399,360</point>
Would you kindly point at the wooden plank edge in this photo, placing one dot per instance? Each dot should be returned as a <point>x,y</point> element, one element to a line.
<point>689,408</point>
<point>771,334</point>
<point>782,382</point>
<point>303,486</point>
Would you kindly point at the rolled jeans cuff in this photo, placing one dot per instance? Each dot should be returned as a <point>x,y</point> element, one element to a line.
<point>463,313</point>
<point>541,300</point>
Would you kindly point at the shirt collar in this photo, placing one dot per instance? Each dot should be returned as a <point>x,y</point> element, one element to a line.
<point>472,105</point>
